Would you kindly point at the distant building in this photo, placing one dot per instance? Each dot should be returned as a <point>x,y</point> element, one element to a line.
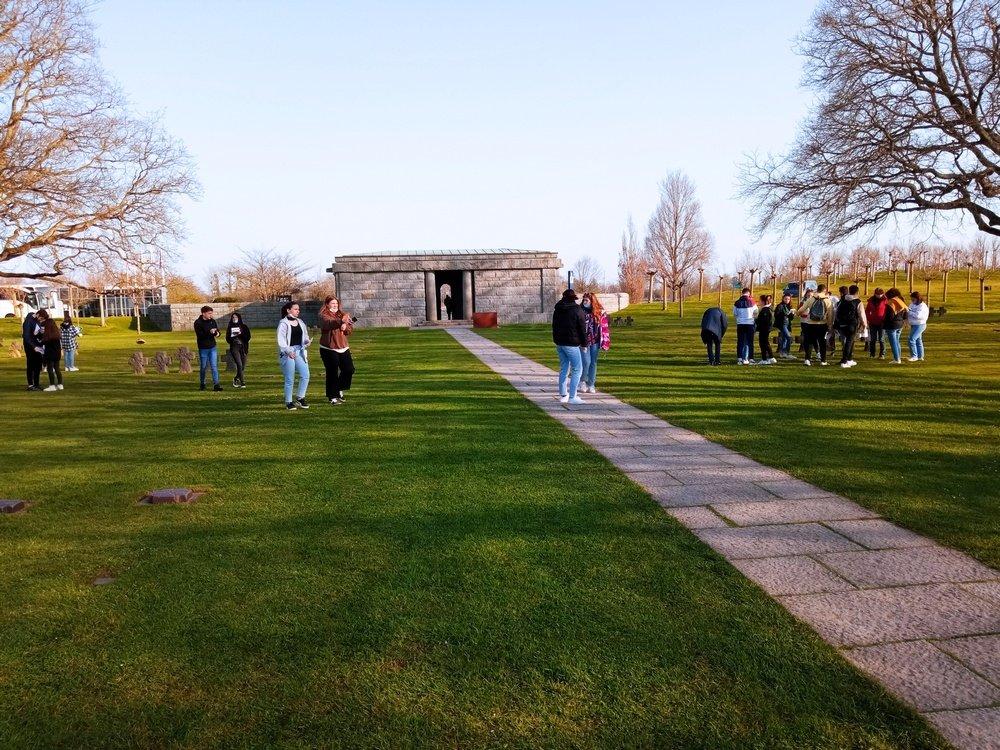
<point>409,288</point>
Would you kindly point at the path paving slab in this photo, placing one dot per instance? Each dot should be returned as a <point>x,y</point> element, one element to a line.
<point>879,534</point>
<point>723,474</point>
<point>697,517</point>
<point>906,613</point>
<point>932,641</point>
<point>709,494</point>
<point>774,541</point>
<point>924,676</point>
<point>981,653</point>
<point>793,489</point>
<point>12,506</point>
<point>973,728</point>
<point>791,575</point>
<point>791,511</point>
<point>900,567</point>
<point>988,591</point>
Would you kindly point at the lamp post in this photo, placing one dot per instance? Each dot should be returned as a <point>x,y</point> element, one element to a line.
<point>752,272</point>
<point>721,278</point>
<point>663,287</point>
<point>701,283</point>
<point>569,279</point>
<point>868,275</point>
<point>774,286</point>
<point>651,274</point>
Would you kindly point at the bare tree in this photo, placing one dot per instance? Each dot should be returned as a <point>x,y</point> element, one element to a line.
<point>265,275</point>
<point>587,275</point>
<point>320,288</point>
<point>677,242</point>
<point>631,264</point>
<point>906,122</point>
<point>82,183</point>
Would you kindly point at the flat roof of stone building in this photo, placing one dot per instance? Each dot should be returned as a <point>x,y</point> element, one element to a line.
<point>390,261</point>
<point>382,254</point>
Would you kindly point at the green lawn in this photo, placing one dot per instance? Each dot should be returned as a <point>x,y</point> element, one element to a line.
<point>435,563</point>
<point>919,443</point>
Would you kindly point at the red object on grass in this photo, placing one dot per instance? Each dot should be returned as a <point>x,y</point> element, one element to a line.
<point>484,320</point>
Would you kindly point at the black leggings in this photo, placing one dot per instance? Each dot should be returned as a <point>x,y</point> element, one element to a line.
<point>239,359</point>
<point>52,368</point>
<point>339,371</point>
<point>764,339</point>
<point>32,366</point>
<point>815,339</point>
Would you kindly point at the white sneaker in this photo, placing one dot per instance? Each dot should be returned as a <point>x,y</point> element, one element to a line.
<point>845,365</point>
<point>851,363</point>
<point>59,387</point>
<point>772,361</point>
<point>913,359</point>
<point>564,399</point>
<point>824,364</point>
<point>50,388</point>
<point>807,363</point>
<point>896,362</point>
<point>577,400</point>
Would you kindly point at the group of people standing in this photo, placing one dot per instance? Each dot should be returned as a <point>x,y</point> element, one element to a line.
<point>293,350</point>
<point>824,321</point>
<point>580,332</point>
<point>45,344</point>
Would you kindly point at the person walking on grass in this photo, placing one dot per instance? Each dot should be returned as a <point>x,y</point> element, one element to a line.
<point>714,323</point>
<point>765,319</point>
<point>31,337</point>
<point>206,331</point>
<point>917,316</point>
<point>238,337</point>
<point>598,340</point>
<point>850,323</point>
<point>293,343</point>
<point>875,314</point>
<point>893,322</point>
<point>336,326</point>
<point>802,324</point>
<point>783,314</point>
<point>816,314</point>
<point>745,313</point>
<point>68,335</point>
<point>569,333</point>
<point>51,350</point>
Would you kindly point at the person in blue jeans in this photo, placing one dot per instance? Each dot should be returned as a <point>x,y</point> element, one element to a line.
<point>598,337</point>
<point>892,323</point>
<point>783,315</point>
<point>293,343</point>
<point>917,315</point>
<point>206,330</point>
<point>745,313</point>
<point>569,333</point>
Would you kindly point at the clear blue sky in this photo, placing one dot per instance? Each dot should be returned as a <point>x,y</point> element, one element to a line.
<point>330,127</point>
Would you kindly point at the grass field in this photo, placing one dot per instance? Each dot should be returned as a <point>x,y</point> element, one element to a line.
<point>919,443</point>
<point>435,563</point>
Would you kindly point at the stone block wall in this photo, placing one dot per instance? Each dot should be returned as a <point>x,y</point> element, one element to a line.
<point>383,299</point>
<point>614,301</point>
<point>258,315</point>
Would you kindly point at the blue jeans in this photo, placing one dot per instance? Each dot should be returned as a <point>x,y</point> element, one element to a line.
<point>744,341</point>
<point>570,363</point>
<point>916,340</point>
<point>289,367</point>
<point>893,335</point>
<point>589,355</point>
<point>70,356</point>
<point>209,358</point>
<point>784,339</point>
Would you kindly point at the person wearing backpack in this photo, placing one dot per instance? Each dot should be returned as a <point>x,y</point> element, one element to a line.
<point>850,322</point>
<point>895,318</point>
<point>745,313</point>
<point>816,314</point>
<point>917,316</point>
<point>875,313</point>
<point>783,315</point>
<point>765,319</point>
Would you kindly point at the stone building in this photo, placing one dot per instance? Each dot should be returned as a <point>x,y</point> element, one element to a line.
<point>412,288</point>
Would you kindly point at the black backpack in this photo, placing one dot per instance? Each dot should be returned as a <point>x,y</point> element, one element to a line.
<point>847,314</point>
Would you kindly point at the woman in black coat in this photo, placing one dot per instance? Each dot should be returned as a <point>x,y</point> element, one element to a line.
<point>238,337</point>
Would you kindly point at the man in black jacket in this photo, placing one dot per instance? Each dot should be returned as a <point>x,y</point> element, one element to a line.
<point>569,333</point>
<point>713,327</point>
<point>206,330</point>
<point>31,336</point>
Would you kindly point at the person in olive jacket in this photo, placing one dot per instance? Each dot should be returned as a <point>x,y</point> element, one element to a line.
<point>569,333</point>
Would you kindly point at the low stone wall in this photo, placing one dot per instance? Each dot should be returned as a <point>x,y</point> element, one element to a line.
<point>264,315</point>
<point>614,301</point>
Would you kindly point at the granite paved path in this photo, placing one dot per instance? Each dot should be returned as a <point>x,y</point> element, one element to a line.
<point>922,619</point>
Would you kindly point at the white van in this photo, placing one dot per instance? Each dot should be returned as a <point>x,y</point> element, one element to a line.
<point>35,298</point>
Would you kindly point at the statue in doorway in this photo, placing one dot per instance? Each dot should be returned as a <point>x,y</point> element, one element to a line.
<point>448,305</point>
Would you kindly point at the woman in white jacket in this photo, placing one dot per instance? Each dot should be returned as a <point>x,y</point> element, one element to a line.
<point>917,316</point>
<point>293,341</point>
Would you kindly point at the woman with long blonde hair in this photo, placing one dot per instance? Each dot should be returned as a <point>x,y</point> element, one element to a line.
<point>598,339</point>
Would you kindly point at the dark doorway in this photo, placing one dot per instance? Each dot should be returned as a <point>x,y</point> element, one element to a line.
<point>449,283</point>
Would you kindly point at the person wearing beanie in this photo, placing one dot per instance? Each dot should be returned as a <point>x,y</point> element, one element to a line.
<point>569,333</point>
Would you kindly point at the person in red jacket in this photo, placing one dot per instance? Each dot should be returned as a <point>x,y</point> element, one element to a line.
<point>875,312</point>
